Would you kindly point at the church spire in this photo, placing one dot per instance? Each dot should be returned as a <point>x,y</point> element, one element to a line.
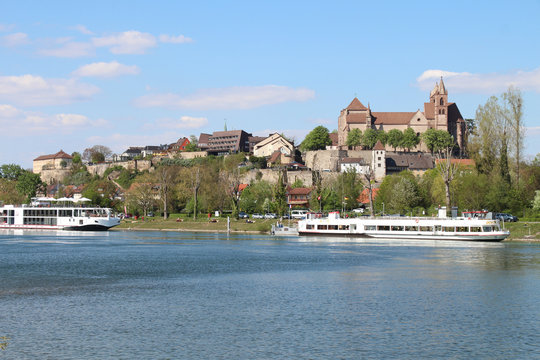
<point>442,89</point>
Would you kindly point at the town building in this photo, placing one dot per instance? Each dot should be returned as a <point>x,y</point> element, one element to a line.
<point>228,142</point>
<point>438,114</point>
<point>179,145</point>
<point>60,160</point>
<point>271,144</point>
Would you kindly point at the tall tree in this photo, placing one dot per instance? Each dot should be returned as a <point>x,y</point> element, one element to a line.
<point>410,139</point>
<point>97,153</point>
<point>317,139</point>
<point>28,184</point>
<point>165,176</point>
<point>370,138</point>
<point>394,138</point>
<point>514,116</point>
<point>11,171</point>
<point>280,195</point>
<point>354,138</point>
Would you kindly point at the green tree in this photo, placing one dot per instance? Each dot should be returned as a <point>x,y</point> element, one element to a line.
<point>536,201</point>
<point>513,113</point>
<point>97,153</point>
<point>405,195</point>
<point>76,158</point>
<point>394,138</point>
<point>370,138</point>
<point>354,138</point>
<point>11,171</point>
<point>28,184</point>
<point>9,193</point>
<point>317,139</point>
<point>410,139</point>
<point>280,196</point>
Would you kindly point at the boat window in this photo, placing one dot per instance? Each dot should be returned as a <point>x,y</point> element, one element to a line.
<point>438,227</point>
<point>383,228</point>
<point>487,228</point>
<point>462,229</point>
<point>397,228</point>
<point>411,228</point>
<point>426,228</point>
<point>370,227</point>
<point>343,227</point>
<point>353,226</point>
<point>309,227</point>
<point>476,229</point>
<point>449,229</point>
<point>322,227</point>
<point>332,227</point>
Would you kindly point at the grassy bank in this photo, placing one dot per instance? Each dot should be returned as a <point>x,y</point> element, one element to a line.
<point>520,231</point>
<point>200,224</point>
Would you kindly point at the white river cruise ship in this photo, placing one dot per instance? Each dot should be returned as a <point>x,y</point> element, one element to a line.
<point>472,226</point>
<point>42,214</point>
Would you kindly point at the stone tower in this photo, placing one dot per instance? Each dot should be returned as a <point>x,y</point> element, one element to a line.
<point>439,97</point>
<point>379,161</point>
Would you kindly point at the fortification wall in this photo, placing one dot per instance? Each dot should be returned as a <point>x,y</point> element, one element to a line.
<point>54,176</point>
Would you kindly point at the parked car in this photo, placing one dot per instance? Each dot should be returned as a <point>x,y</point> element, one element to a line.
<point>270,216</point>
<point>286,216</point>
<point>243,215</point>
<point>358,211</point>
<point>150,214</point>
<point>506,217</point>
<point>257,216</point>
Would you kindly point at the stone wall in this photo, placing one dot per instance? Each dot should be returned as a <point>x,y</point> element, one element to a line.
<point>324,160</point>
<point>100,169</point>
<point>54,176</point>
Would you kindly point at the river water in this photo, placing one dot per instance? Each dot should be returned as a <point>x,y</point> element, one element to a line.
<point>167,295</point>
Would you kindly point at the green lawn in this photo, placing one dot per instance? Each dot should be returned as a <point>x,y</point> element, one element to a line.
<point>201,224</point>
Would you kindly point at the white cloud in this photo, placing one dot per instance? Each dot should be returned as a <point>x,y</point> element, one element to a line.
<point>8,111</point>
<point>83,30</point>
<point>15,39</point>
<point>240,97</point>
<point>69,49</point>
<point>180,39</point>
<point>127,42</point>
<point>465,82</point>
<point>185,122</point>
<point>33,90</point>
<point>21,123</point>
<point>103,69</point>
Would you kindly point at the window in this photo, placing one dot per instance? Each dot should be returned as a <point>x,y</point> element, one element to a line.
<point>418,119</point>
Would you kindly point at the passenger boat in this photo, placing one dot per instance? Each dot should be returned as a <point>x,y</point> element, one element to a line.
<point>472,226</point>
<point>44,215</point>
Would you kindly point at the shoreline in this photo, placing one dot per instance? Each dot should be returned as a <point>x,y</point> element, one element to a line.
<point>517,240</point>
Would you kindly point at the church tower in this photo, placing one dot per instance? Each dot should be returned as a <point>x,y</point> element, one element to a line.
<point>439,98</point>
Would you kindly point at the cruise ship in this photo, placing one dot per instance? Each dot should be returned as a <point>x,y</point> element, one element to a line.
<point>43,214</point>
<point>472,226</point>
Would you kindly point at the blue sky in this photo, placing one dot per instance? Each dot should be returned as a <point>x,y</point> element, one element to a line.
<point>134,73</point>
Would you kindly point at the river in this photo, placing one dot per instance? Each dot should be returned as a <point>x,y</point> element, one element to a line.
<point>169,295</point>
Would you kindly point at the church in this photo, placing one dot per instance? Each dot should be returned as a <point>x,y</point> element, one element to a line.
<point>438,114</point>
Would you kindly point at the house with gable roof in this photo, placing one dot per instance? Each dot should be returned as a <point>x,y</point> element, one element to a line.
<point>438,114</point>
<point>57,161</point>
<point>274,142</point>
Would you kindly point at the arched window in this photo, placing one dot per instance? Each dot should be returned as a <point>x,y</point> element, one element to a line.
<point>442,101</point>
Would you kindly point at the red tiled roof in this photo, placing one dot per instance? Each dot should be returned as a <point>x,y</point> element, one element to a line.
<point>59,155</point>
<point>393,118</point>
<point>429,110</point>
<point>299,191</point>
<point>356,118</point>
<point>241,187</point>
<point>378,146</point>
<point>364,196</point>
<point>356,105</point>
<point>275,156</point>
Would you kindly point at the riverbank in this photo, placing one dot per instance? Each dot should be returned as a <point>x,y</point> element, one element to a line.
<point>519,231</point>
